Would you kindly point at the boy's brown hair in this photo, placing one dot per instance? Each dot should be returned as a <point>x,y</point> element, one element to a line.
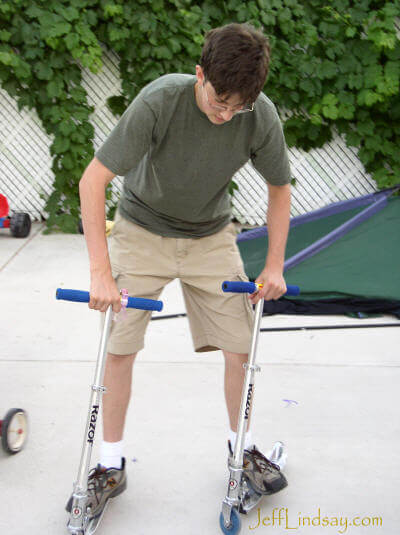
<point>235,60</point>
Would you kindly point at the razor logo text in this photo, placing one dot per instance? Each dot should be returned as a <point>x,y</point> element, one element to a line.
<point>248,402</point>
<point>92,423</point>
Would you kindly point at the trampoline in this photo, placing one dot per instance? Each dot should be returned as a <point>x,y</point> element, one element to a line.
<point>345,257</point>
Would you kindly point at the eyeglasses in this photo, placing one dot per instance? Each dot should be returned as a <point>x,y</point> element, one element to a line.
<point>242,109</point>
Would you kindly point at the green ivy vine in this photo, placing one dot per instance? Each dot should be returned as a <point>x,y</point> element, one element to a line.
<point>335,66</point>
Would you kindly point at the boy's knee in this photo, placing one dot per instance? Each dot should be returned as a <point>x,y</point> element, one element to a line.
<point>121,359</point>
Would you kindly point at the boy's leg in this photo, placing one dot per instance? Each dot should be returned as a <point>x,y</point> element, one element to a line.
<point>233,384</point>
<point>225,321</point>
<point>118,381</point>
<point>143,272</point>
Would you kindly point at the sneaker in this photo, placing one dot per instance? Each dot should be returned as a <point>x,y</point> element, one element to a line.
<point>262,475</point>
<point>103,484</point>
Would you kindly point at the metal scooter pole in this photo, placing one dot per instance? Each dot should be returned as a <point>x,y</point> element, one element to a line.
<point>236,465</point>
<point>79,515</point>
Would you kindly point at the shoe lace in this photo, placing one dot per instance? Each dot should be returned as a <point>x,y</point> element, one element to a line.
<point>261,462</point>
<point>98,480</point>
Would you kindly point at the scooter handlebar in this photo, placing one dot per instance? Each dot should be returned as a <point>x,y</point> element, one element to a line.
<point>251,287</point>
<point>84,297</point>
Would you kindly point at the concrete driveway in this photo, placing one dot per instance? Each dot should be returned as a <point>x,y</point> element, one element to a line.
<point>341,427</point>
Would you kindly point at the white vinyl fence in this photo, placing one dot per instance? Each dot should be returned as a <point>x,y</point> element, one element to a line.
<point>324,175</point>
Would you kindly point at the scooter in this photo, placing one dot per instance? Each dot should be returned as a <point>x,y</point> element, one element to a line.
<point>240,497</point>
<point>80,521</point>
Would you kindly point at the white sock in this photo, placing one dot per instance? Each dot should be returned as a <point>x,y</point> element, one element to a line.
<point>247,439</point>
<point>111,454</point>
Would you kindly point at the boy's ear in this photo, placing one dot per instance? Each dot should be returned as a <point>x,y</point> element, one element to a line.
<point>199,74</point>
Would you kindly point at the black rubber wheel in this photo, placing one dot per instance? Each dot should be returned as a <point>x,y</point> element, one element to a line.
<point>80,226</point>
<point>20,225</point>
<point>14,431</point>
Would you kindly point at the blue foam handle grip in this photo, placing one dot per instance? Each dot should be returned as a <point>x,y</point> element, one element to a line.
<point>80,296</point>
<point>292,289</point>
<point>144,304</point>
<point>250,287</point>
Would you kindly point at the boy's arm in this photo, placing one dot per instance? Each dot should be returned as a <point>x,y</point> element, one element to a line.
<point>103,289</point>
<point>278,218</point>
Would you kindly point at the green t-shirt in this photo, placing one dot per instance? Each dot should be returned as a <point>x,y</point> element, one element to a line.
<point>178,165</point>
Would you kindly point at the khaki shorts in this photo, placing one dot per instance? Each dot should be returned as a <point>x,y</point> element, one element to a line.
<point>143,263</point>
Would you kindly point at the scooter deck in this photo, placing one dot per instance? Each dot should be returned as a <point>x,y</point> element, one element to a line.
<point>249,498</point>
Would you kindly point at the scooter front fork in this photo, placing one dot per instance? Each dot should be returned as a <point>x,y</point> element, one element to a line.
<point>79,515</point>
<point>232,498</point>
<point>240,495</point>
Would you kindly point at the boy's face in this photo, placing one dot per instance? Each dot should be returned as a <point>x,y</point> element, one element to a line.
<point>218,109</point>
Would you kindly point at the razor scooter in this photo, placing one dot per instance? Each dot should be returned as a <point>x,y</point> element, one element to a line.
<point>240,497</point>
<point>80,521</point>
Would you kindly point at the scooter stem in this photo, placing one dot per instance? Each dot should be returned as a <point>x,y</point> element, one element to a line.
<point>248,389</point>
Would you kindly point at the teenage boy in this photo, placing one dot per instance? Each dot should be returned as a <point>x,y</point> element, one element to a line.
<point>178,145</point>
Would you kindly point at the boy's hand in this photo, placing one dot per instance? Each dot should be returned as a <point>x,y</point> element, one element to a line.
<point>274,286</point>
<point>104,291</point>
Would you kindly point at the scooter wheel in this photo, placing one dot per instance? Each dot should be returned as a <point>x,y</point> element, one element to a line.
<point>234,526</point>
<point>14,431</point>
<point>20,225</point>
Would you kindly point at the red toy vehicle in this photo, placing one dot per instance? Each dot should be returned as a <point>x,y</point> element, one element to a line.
<point>19,223</point>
